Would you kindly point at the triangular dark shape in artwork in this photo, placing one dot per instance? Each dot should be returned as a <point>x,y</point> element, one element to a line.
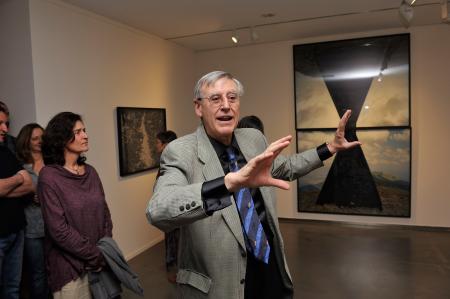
<point>349,182</point>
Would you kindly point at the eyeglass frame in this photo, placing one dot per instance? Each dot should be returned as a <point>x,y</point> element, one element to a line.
<point>219,102</point>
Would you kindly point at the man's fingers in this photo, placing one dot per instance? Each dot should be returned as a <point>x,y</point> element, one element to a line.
<point>281,140</point>
<point>278,183</point>
<point>279,145</point>
<point>344,119</point>
<point>353,144</point>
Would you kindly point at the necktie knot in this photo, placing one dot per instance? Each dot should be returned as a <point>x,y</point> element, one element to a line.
<point>232,159</point>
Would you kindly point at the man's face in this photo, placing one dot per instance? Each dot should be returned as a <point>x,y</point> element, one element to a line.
<point>159,146</point>
<point>4,123</point>
<point>219,119</point>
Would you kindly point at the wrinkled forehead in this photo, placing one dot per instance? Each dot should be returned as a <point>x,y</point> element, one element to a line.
<point>224,84</point>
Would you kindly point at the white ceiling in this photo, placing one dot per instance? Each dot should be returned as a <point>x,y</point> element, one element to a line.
<point>208,24</point>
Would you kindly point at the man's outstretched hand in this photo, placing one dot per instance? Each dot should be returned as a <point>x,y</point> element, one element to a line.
<point>339,142</point>
<point>257,172</point>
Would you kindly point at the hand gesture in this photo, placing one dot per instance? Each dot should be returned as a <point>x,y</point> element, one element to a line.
<point>257,172</point>
<point>339,142</point>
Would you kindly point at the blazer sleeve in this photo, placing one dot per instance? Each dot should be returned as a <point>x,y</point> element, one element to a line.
<point>286,168</point>
<point>295,166</point>
<point>175,201</point>
<point>289,168</point>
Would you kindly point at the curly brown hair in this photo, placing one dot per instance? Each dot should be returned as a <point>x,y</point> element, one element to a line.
<point>57,134</point>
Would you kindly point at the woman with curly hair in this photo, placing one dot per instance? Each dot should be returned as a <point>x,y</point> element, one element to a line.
<point>28,151</point>
<point>75,211</point>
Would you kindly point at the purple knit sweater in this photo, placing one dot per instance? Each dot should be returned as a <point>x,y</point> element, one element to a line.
<point>76,216</point>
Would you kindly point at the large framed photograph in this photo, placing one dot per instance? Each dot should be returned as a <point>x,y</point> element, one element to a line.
<point>370,76</point>
<point>373,179</point>
<point>137,129</point>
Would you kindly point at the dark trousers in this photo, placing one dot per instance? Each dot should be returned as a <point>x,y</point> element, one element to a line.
<point>35,263</point>
<point>171,240</point>
<point>264,281</point>
<point>11,255</point>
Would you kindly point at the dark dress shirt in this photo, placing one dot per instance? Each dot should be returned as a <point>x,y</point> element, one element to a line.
<point>12,217</point>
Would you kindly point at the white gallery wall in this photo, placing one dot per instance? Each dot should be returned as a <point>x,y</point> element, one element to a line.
<point>266,71</point>
<point>16,70</point>
<point>90,65</point>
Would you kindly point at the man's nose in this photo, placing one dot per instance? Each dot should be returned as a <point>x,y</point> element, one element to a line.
<point>225,103</point>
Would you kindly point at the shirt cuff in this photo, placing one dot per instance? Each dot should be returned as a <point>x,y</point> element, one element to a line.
<point>323,152</point>
<point>215,195</point>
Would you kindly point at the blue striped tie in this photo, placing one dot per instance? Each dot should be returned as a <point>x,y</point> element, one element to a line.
<point>257,239</point>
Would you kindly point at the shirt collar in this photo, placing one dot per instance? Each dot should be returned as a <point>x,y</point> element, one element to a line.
<point>220,148</point>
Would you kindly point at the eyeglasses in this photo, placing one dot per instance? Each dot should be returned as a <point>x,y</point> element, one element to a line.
<point>217,100</point>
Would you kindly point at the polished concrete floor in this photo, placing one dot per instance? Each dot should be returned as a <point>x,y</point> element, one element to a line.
<point>332,260</point>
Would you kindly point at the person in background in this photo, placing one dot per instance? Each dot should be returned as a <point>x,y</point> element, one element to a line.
<point>251,121</point>
<point>171,238</point>
<point>15,184</point>
<point>28,151</point>
<point>76,215</point>
<point>8,141</point>
<point>216,186</point>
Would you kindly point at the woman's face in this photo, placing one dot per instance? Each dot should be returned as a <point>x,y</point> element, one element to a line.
<point>36,140</point>
<point>79,144</point>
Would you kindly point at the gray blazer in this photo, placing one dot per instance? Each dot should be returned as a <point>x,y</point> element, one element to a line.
<point>212,253</point>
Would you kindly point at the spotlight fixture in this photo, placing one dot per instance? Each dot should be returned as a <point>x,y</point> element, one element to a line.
<point>234,37</point>
<point>406,12</point>
<point>445,15</point>
<point>253,34</point>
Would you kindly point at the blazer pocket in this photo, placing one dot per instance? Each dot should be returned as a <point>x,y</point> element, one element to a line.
<point>194,279</point>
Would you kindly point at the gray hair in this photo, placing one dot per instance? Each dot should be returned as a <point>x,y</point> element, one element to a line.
<point>213,77</point>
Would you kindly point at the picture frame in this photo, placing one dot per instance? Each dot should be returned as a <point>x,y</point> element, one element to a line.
<point>344,186</point>
<point>370,76</point>
<point>137,129</point>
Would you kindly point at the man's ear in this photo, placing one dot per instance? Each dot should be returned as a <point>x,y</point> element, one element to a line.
<point>198,108</point>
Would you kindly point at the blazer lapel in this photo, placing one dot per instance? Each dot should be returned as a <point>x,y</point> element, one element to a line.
<point>212,169</point>
<point>245,139</point>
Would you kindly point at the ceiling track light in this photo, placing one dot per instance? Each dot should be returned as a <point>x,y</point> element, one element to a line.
<point>254,34</point>
<point>445,14</point>
<point>234,37</point>
<point>406,12</point>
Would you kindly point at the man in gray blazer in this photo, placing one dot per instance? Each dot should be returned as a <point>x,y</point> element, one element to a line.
<point>203,177</point>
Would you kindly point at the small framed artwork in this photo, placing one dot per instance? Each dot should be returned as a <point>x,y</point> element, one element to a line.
<point>137,129</point>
